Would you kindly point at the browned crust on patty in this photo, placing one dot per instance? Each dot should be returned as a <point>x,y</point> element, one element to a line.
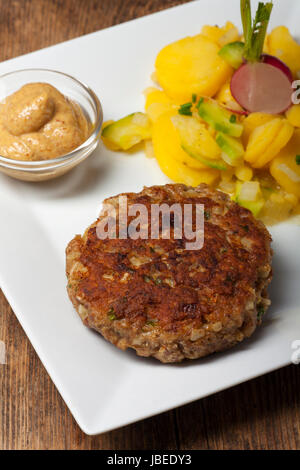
<point>168,302</point>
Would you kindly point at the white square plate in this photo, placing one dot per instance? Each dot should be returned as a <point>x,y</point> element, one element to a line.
<point>106,388</point>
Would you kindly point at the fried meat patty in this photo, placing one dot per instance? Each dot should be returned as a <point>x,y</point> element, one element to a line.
<point>168,302</point>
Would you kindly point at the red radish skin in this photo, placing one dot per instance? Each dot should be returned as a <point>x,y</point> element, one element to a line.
<point>275,62</point>
<point>240,112</point>
<point>261,87</point>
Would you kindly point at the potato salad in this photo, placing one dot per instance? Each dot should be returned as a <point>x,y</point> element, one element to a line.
<point>221,112</point>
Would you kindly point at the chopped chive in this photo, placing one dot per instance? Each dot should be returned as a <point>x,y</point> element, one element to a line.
<point>186,105</point>
<point>232,119</point>
<point>147,279</point>
<point>185,112</point>
<point>206,215</point>
<point>158,281</point>
<point>298,159</point>
<point>150,322</point>
<point>185,109</point>
<point>199,102</point>
<point>194,97</point>
<point>260,312</point>
<point>111,314</point>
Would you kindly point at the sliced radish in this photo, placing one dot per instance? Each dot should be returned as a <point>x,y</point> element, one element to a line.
<point>261,87</point>
<point>275,62</point>
<point>240,113</point>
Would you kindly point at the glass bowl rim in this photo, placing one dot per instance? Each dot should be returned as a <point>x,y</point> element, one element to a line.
<point>27,165</point>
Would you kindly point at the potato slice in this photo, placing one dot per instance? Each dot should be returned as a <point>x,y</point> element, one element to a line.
<point>155,110</point>
<point>224,95</point>
<point>196,135</point>
<point>282,45</point>
<point>221,36</point>
<point>284,167</point>
<point>157,103</point>
<point>293,115</point>
<point>253,121</point>
<point>280,142</point>
<point>244,173</point>
<point>267,140</point>
<point>191,66</point>
<point>165,129</point>
<point>153,95</point>
<point>173,160</point>
<point>231,35</point>
<point>197,142</point>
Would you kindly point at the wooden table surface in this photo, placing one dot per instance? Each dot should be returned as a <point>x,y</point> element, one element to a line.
<point>261,414</point>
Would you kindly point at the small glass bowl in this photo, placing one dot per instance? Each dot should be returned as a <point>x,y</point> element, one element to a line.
<point>72,88</point>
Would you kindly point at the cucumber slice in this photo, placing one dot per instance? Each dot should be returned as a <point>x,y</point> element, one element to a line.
<point>128,131</point>
<point>216,164</point>
<point>249,195</point>
<point>233,150</point>
<point>197,142</point>
<point>219,118</point>
<point>232,53</point>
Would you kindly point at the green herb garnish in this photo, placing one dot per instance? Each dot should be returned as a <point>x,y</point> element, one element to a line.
<point>207,215</point>
<point>158,281</point>
<point>185,109</point>
<point>255,33</point>
<point>147,279</point>
<point>260,312</point>
<point>194,97</point>
<point>199,102</point>
<point>298,159</point>
<point>150,322</point>
<point>111,314</point>
<point>233,119</point>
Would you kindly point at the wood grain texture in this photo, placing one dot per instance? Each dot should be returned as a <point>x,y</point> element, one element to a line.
<point>261,414</point>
